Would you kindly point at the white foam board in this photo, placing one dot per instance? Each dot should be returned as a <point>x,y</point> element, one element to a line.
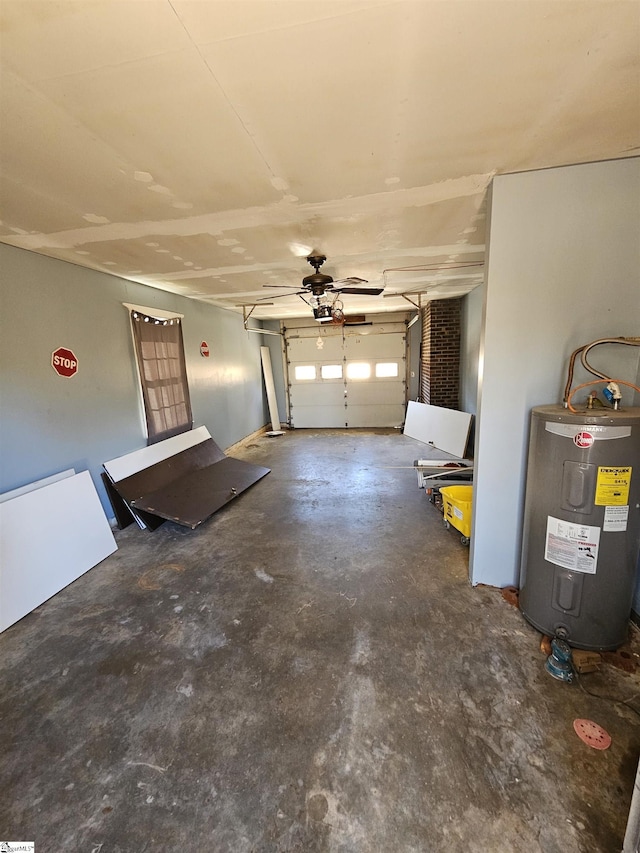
<point>48,538</point>
<point>267,370</point>
<point>138,460</point>
<point>37,484</point>
<point>446,429</point>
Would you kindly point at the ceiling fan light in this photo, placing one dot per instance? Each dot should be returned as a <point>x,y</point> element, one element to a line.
<point>323,314</point>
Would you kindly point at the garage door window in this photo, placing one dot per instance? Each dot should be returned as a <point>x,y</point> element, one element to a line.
<point>387,370</point>
<point>358,370</point>
<point>331,371</point>
<point>305,372</point>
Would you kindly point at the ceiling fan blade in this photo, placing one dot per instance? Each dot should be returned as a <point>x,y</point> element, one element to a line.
<point>352,279</point>
<point>292,286</point>
<point>361,291</point>
<point>279,295</point>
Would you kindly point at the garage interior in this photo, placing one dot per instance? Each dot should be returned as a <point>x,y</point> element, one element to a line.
<point>320,665</point>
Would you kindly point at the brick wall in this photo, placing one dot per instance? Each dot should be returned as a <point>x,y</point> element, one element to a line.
<point>440,360</point>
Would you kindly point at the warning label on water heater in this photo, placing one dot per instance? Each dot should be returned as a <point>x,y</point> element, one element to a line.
<point>612,486</point>
<point>615,519</point>
<point>572,546</point>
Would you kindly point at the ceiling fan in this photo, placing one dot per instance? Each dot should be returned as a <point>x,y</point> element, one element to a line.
<point>323,292</point>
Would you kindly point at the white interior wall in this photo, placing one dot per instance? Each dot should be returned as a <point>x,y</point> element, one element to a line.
<point>562,270</point>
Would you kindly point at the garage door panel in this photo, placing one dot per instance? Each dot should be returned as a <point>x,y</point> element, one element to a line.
<point>319,394</point>
<point>370,393</point>
<point>303,349</point>
<point>331,349</point>
<point>375,346</point>
<point>324,417</point>
<point>383,415</point>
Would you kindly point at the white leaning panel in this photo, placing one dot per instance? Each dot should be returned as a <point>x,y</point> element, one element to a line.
<point>138,460</point>
<point>48,538</point>
<point>265,355</point>
<point>38,484</point>
<point>446,429</point>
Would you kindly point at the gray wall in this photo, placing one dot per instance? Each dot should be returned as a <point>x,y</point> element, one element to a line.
<point>470,334</point>
<point>50,423</point>
<point>562,270</point>
<point>414,340</point>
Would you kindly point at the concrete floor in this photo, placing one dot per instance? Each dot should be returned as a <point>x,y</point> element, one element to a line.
<point>308,671</point>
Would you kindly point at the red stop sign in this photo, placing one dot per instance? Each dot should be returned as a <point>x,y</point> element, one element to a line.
<point>64,362</point>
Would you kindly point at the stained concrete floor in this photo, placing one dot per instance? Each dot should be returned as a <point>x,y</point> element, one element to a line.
<point>308,671</point>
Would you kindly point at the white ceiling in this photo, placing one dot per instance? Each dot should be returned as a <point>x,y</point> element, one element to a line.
<point>204,147</point>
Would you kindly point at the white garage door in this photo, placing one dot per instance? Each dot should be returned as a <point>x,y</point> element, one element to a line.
<point>341,377</point>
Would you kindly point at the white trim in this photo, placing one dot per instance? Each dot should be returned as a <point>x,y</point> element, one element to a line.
<point>38,484</point>
<point>138,460</point>
<point>158,313</point>
<point>142,415</point>
<point>263,331</point>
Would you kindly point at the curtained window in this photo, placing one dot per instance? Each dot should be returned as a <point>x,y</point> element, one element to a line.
<point>163,375</point>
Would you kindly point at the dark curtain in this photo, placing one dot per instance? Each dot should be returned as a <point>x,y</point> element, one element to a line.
<point>163,374</point>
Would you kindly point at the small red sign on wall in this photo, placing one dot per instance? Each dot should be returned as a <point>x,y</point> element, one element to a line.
<point>64,362</point>
<point>204,349</point>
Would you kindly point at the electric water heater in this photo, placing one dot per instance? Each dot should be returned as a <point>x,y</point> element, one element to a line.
<point>581,533</point>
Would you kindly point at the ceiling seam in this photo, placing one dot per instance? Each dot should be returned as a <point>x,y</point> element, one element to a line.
<point>296,25</point>
<point>224,93</point>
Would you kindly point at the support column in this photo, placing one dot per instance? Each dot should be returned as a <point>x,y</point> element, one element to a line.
<point>440,358</point>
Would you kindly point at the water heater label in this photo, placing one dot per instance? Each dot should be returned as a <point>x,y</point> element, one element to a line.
<point>572,546</point>
<point>612,486</point>
<point>584,436</point>
<point>615,518</point>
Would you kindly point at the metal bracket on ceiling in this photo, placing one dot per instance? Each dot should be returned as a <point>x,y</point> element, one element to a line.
<point>406,297</point>
<point>247,314</point>
<point>417,304</point>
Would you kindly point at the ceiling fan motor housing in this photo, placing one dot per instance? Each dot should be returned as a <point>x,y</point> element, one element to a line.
<point>317,282</point>
<point>316,261</point>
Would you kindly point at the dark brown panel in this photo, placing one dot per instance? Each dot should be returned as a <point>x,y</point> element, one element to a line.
<point>162,474</point>
<point>197,495</point>
<point>151,521</point>
<point>120,508</point>
<point>123,512</point>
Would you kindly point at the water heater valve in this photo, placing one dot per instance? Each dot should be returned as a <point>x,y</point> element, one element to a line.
<point>612,393</point>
